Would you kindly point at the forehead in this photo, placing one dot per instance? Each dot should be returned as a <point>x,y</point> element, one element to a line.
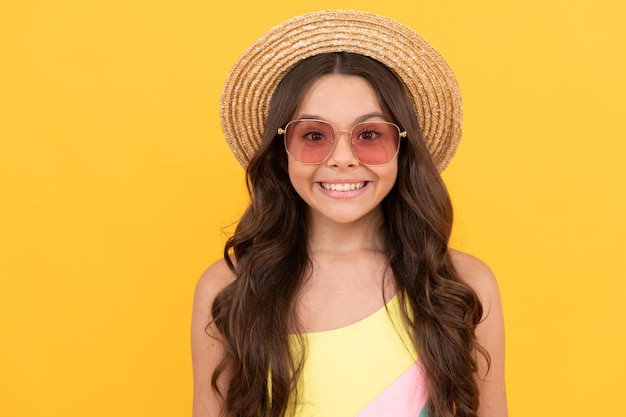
<point>339,98</point>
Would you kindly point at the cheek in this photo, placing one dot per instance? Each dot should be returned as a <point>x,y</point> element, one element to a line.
<point>391,183</point>
<point>388,175</point>
<point>393,173</point>
<point>301,179</point>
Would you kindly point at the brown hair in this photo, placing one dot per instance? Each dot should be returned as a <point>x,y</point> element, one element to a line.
<point>256,312</point>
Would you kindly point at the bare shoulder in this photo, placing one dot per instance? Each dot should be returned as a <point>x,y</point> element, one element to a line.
<point>214,279</point>
<point>207,350</point>
<point>489,333</point>
<point>478,275</point>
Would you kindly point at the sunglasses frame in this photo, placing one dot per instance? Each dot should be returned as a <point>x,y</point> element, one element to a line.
<point>283,133</point>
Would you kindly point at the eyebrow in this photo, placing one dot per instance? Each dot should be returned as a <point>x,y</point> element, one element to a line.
<point>358,120</point>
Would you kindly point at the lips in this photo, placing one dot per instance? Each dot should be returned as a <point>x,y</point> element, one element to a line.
<point>342,186</point>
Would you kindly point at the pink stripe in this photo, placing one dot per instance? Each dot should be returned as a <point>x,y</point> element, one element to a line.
<point>406,396</point>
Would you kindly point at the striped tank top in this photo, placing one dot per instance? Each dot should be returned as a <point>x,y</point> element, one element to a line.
<point>366,369</point>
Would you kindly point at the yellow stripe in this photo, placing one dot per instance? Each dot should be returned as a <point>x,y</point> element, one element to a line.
<point>347,368</point>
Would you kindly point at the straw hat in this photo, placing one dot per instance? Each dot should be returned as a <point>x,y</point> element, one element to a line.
<point>428,79</point>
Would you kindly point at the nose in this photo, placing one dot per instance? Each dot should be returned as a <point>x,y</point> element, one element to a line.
<point>341,154</point>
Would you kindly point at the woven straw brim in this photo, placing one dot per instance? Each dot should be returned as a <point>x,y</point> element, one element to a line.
<point>428,78</point>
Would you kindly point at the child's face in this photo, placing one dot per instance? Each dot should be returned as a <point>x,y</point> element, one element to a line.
<point>340,189</point>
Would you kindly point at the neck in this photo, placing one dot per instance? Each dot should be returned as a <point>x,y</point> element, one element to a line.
<point>328,236</point>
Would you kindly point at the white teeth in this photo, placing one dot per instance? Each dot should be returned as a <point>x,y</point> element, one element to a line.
<point>343,187</point>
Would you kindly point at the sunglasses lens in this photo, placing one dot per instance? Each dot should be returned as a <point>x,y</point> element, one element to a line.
<point>373,143</point>
<point>309,141</point>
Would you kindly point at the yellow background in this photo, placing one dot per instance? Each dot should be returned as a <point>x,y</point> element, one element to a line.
<point>116,187</point>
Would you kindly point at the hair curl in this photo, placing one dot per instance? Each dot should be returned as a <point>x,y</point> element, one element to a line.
<point>255,313</point>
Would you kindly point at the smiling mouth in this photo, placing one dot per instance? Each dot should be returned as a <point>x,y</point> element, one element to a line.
<point>342,187</point>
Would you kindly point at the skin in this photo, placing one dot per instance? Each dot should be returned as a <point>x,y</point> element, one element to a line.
<point>343,242</point>
<point>343,101</point>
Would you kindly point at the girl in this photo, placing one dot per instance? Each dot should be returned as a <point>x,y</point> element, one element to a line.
<point>338,294</point>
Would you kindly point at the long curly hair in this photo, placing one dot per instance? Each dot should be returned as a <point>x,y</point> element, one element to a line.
<point>268,255</point>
